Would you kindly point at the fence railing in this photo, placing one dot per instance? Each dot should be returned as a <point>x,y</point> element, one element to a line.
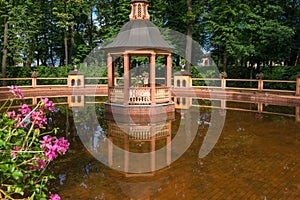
<point>232,84</point>
<point>35,82</point>
<point>246,84</point>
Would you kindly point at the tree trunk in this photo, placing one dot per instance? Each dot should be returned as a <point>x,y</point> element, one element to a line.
<point>66,37</point>
<point>225,60</point>
<point>71,43</point>
<point>51,55</point>
<point>66,47</point>
<point>5,48</point>
<point>188,48</point>
<point>293,61</point>
<point>91,29</point>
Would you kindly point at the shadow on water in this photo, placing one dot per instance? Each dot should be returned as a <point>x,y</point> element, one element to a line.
<point>255,157</point>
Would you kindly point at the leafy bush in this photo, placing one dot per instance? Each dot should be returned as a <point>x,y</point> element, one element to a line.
<point>25,150</point>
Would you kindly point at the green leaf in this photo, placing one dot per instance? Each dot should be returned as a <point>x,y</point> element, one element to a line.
<point>32,196</point>
<point>17,174</point>
<point>19,190</point>
<point>2,143</point>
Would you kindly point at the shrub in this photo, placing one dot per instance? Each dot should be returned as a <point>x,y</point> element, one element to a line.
<point>25,150</point>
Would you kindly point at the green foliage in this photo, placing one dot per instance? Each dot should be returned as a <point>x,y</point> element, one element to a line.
<point>23,161</point>
<point>42,71</point>
<point>236,32</point>
<point>112,16</point>
<point>249,31</point>
<point>281,73</point>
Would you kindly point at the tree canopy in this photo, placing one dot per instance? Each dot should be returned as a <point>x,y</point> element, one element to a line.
<point>62,32</point>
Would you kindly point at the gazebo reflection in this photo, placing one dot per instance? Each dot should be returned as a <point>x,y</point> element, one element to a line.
<point>132,148</point>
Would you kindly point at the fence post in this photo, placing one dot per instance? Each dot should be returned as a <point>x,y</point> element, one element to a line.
<point>298,85</point>
<point>223,83</point>
<point>34,75</point>
<point>34,100</point>
<point>182,79</point>
<point>260,84</point>
<point>260,107</point>
<point>75,78</point>
<point>34,82</point>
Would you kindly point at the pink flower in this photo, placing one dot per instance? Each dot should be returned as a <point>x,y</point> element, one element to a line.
<point>54,197</point>
<point>47,104</point>
<point>24,109</point>
<point>63,145</point>
<point>39,164</point>
<point>15,91</point>
<point>11,115</point>
<point>46,140</point>
<point>38,118</point>
<point>53,146</point>
<point>20,122</point>
<point>51,152</point>
<point>16,148</point>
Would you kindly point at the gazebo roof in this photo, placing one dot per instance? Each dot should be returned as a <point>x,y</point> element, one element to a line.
<point>139,34</point>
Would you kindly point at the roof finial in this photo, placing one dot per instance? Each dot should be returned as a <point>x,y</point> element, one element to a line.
<point>139,10</point>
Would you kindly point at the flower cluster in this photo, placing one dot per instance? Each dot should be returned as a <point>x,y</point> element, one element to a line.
<point>18,117</point>
<point>54,197</point>
<point>16,92</point>
<point>36,116</point>
<point>23,156</point>
<point>47,105</point>
<point>38,164</point>
<point>53,146</point>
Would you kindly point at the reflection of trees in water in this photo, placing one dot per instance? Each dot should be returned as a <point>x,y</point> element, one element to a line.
<point>63,118</point>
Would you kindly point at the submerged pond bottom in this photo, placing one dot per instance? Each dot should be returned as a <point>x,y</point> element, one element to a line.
<point>256,156</point>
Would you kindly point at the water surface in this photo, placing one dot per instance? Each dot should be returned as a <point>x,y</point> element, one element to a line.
<point>257,156</point>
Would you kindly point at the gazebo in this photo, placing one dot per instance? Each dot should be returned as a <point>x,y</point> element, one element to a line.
<point>139,38</point>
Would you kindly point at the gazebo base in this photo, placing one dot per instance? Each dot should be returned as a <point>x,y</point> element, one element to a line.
<point>139,113</point>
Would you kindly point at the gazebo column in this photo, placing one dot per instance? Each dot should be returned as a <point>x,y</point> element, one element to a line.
<point>168,70</point>
<point>110,74</point>
<point>126,153</point>
<point>152,78</point>
<point>152,148</point>
<point>126,78</point>
<point>169,74</point>
<point>110,151</point>
<point>169,145</point>
<point>110,70</point>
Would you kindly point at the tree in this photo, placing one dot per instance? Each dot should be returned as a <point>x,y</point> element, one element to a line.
<point>248,31</point>
<point>291,18</point>
<point>186,17</point>
<point>112,15</point>
<point>67,12</point>
<point>4,16</point>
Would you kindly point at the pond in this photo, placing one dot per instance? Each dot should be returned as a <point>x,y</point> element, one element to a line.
<point>256,155</point>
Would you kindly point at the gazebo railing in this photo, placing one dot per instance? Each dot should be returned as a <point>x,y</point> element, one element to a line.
<point>116,94</point>
<point>140,133</point>
<point>139,95</point>
<point>162,94</point>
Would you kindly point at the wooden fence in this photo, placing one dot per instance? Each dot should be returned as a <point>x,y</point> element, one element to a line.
<point>285,86</point>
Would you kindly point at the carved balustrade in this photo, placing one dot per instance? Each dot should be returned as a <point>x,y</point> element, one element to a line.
<point>139,95</point>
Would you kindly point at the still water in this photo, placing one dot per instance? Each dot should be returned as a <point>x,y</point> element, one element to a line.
<point>255,156</point>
